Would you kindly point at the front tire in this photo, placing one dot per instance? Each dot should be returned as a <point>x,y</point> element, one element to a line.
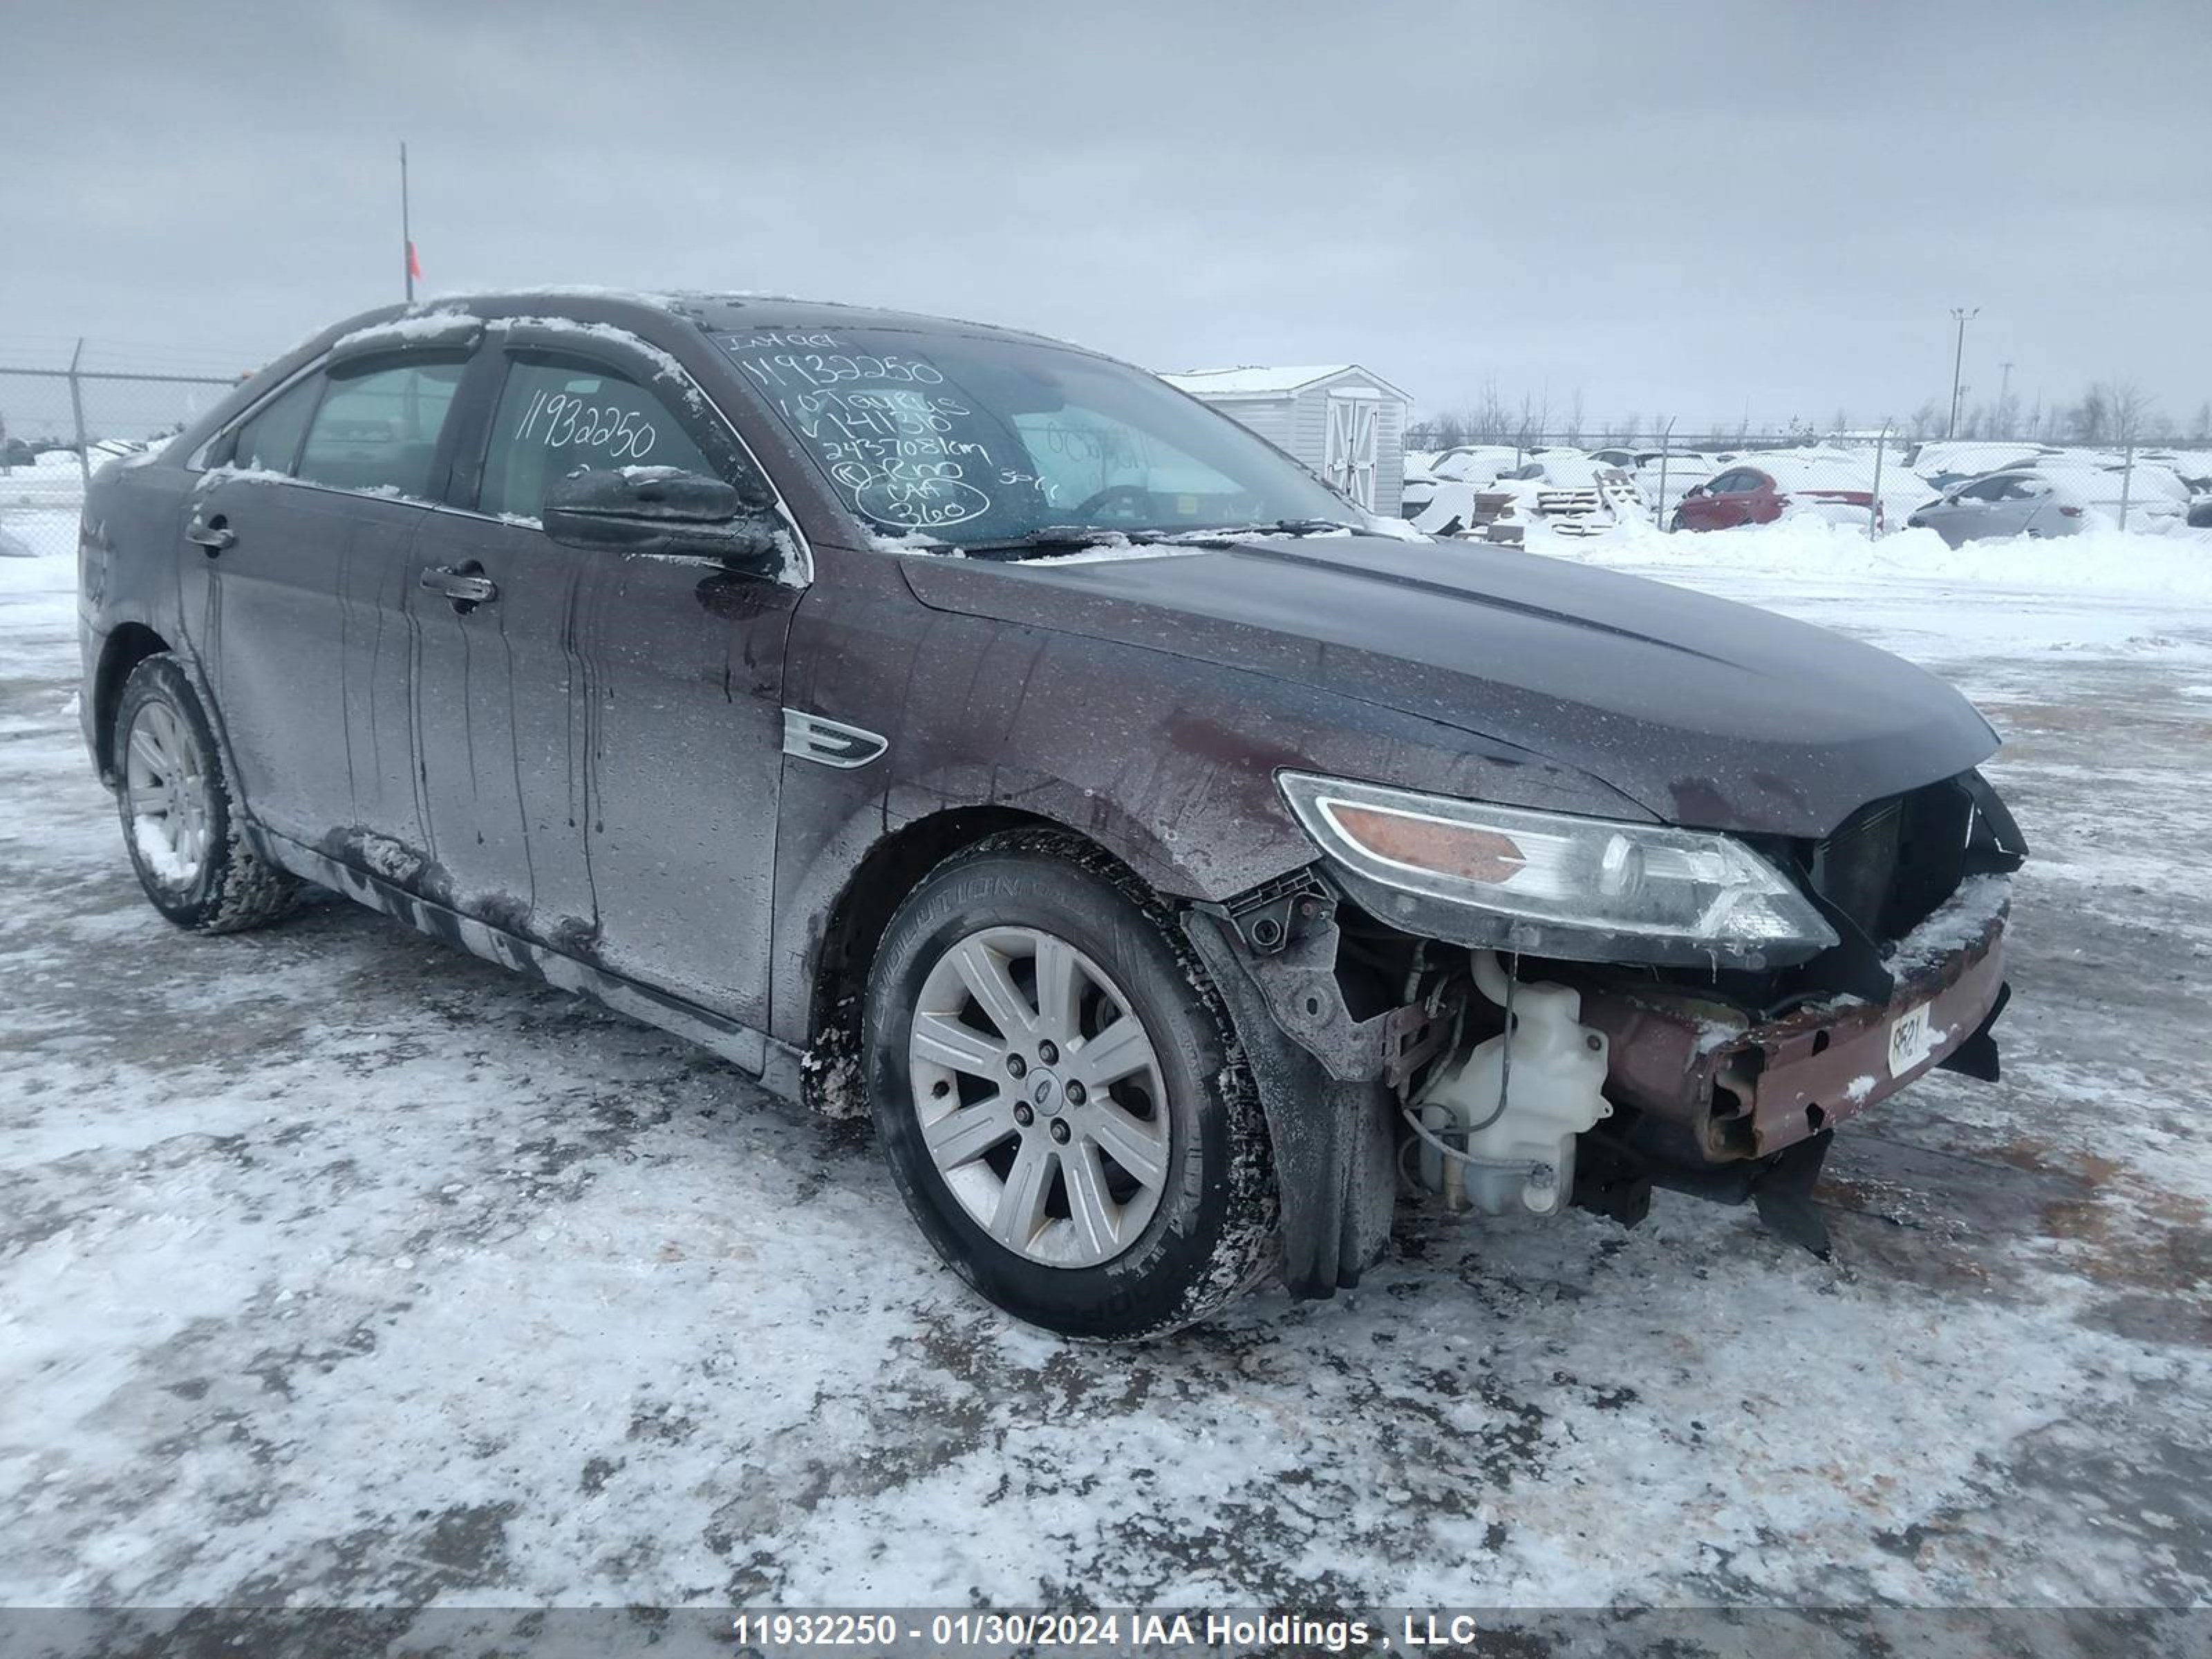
<point>180,810</point>
<point>1060,1097</point>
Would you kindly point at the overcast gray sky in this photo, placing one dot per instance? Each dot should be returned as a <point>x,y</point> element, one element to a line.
<point>1699,208</point>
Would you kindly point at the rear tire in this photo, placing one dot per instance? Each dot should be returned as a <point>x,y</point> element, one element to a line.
<point>179,809</point>
<point>1094,1159</point>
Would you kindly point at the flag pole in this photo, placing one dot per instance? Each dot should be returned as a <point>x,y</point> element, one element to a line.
<point>406,231</point>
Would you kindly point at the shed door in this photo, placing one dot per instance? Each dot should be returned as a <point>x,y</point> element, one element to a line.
<point>1355,420</point>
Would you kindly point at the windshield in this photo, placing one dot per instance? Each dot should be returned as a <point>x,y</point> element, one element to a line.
<point>979,441</point>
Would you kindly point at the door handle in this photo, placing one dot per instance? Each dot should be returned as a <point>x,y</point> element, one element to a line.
<point>212,534</point>
<point>464,584</point>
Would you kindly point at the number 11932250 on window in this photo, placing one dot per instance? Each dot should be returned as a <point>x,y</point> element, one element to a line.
<point>1184,868</point>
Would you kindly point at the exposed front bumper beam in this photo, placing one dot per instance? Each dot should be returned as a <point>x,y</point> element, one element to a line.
<point>1749,1091</point>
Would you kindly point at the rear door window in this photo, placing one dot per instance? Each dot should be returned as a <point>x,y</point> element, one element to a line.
<point>378,429</point>
<point>556,418</point>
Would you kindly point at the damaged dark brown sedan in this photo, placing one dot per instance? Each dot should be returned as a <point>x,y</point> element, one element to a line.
<point>923,713</point>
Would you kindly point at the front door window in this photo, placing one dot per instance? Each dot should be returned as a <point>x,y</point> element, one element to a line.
<point>556,419</point>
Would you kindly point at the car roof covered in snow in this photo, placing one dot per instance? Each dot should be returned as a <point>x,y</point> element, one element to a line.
<point>730,312</point>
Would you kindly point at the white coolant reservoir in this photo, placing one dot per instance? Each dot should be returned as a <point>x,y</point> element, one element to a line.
<point>1515,1124</point>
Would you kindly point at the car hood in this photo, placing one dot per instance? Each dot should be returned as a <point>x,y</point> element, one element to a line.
<point>1706,712</point>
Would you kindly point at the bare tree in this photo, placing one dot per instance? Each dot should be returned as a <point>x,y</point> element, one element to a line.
<point>2201,428</point>
<point>1925,419</point>
<point>2126,408</point>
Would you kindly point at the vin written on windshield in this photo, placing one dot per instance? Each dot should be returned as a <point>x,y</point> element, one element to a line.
<point>970,439</point>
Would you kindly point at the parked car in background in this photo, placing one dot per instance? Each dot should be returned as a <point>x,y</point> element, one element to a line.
<point>2021,503</point>
<point>2053,500</point>
<point>1747,495</point>
<point>1417,484</point>
<point>1664,476</point>
<point>1442,502</point>
<point>2148,481</point>
<point>1953,460</point>
<point>1171,859</point>
<point>14,452</point>
<point>2200,511</point>
<point>1474,464</point>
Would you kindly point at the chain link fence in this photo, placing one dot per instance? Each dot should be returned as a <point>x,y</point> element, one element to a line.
<point>61,421</point>
<point>1592,478</point>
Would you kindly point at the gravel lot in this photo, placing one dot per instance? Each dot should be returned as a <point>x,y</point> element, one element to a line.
<point>338,1268</point>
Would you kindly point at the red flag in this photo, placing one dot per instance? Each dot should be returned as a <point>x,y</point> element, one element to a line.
<point>414,264</point>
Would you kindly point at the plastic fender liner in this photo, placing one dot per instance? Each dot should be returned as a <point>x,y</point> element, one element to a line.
<point>1334,1152</point>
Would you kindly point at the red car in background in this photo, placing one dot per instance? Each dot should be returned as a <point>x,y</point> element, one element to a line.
<point>1759,494</point>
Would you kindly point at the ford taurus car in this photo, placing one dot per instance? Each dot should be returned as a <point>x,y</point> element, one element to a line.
<point>1185,869</point>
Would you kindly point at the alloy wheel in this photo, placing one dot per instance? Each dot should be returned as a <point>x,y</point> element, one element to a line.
<point>1038,1092</point>
<point>167,792</point>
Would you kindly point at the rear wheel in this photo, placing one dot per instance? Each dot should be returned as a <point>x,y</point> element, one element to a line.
<point>180,810</point>
<point>1055,1085</point>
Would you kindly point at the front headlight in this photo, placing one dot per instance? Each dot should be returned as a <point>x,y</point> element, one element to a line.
<point>1552,884</point>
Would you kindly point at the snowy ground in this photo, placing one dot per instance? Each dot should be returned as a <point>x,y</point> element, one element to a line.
<point>337,1267</point>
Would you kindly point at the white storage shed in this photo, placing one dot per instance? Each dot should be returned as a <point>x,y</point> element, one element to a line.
<point>1345,423</point>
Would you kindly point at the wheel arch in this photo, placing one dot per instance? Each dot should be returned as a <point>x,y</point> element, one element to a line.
<point>886,873</point>
<point>127,645</point>
<point>836,966</point>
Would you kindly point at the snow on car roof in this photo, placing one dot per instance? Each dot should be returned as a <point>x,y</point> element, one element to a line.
<point>723,312</point>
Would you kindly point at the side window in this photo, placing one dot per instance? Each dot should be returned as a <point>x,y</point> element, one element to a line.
<point>270,440</point>
<point>378,429</point>
<point>1988,489</point>
<point>554,418</point>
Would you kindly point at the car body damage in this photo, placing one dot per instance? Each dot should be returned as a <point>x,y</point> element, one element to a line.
<point>680,713</point>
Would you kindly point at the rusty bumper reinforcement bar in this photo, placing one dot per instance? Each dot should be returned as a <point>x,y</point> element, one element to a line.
<point>1752,1092</point>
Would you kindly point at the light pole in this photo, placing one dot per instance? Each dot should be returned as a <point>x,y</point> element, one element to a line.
<point>1958,357</point>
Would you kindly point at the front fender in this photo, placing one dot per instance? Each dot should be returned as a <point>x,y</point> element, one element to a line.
<point>1167,762</point>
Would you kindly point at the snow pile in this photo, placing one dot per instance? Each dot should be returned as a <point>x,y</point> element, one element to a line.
<point>2106,562</point>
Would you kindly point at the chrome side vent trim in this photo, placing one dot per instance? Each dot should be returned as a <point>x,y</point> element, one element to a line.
<point>827,742</point>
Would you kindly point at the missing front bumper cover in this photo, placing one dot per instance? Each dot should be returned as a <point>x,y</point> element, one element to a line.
<point>1747,1091</point>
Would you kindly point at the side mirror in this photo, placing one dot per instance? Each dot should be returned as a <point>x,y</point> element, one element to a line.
<point>660,509</point>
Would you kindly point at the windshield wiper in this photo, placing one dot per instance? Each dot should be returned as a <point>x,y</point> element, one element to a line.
<point>1229,534</point>
<point>1063,537</point>
<point>1046,538</point>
